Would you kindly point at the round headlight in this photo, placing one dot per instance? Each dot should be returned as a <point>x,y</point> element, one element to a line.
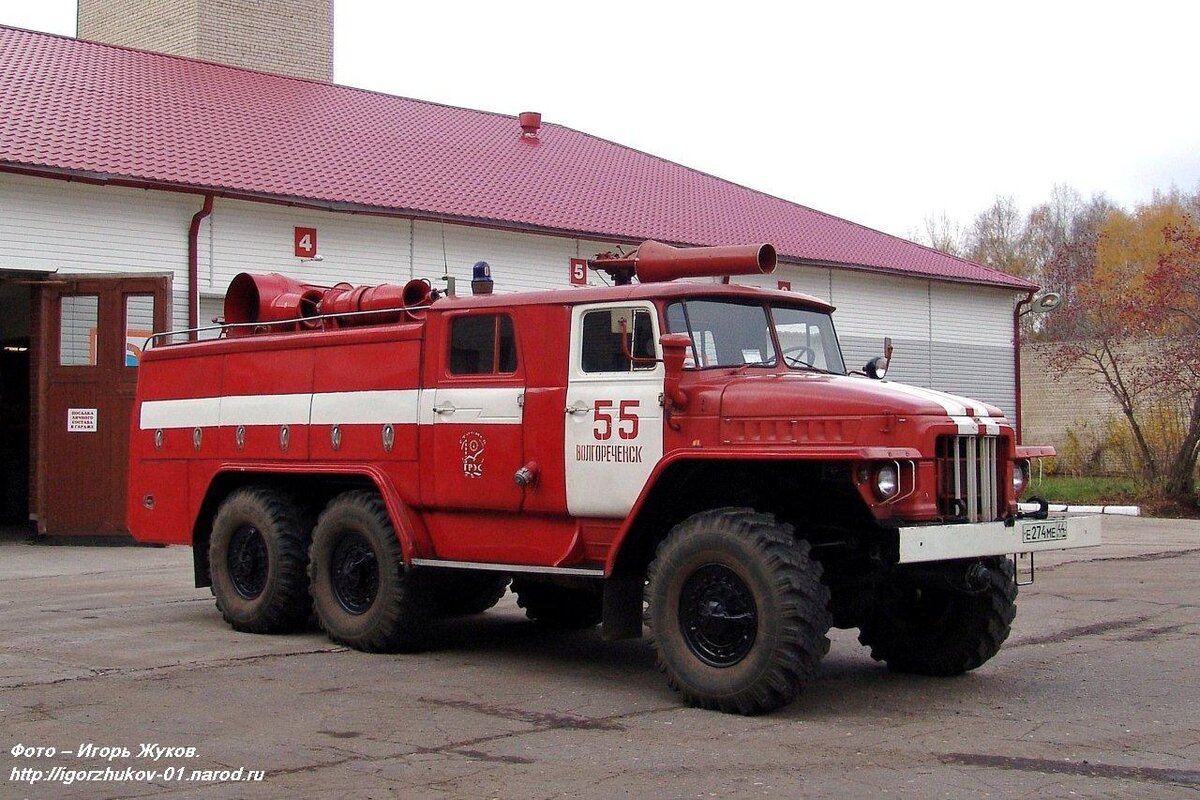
<point>887,481</point>
<point>1020,477</point>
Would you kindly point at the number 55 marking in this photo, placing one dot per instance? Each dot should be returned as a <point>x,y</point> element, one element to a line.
<point>627,419</point>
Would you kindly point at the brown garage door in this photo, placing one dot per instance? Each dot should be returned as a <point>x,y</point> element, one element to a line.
<point>91,334</point>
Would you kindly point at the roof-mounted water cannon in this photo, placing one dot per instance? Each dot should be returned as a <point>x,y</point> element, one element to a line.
<point>352,306</point>
<point>274,302</point>
<point>655,262</point>
<point>277,303</point>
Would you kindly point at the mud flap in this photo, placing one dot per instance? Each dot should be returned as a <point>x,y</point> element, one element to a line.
<point>622,607</point>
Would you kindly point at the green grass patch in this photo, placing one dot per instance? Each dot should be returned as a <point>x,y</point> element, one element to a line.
<point>1085,491</point>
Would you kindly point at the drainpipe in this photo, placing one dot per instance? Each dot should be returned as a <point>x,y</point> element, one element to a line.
<point>1017,313</point>
<point>194,265</point>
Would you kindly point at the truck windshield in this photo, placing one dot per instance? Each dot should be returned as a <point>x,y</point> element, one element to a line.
<point>734,334</point>
<point>807,339</point>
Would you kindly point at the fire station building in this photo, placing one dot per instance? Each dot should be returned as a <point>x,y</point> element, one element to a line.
<point>135,185</point>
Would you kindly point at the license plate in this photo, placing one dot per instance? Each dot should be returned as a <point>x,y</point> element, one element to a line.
<point>1043,531</point>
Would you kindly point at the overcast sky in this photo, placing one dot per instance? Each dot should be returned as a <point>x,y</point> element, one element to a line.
<point>883,113</point>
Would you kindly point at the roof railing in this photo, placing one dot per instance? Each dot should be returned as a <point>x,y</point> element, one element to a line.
<point>225,327</point>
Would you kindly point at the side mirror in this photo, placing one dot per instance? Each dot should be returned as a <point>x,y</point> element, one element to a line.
<point>877,367</point>
<point>675,347</point>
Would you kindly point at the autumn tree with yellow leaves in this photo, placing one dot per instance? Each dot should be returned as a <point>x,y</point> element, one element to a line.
<point>1132,320</point>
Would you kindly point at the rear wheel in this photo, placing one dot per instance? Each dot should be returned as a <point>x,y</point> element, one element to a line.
<point>931,629</point>
<point>258,556</point>
<point>556,606</point>
<point>737,611</point>
<point>364,597</point>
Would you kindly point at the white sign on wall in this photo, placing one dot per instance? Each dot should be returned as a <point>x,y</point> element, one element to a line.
<point>81,420</point>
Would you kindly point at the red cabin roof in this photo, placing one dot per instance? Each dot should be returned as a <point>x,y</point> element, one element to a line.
<point>81,107</point>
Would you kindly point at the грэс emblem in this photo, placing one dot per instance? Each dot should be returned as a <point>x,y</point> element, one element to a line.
<point>471,445</point>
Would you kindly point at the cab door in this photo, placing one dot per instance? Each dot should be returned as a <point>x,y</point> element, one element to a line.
<point>475,410</point>
<point>614,415</point>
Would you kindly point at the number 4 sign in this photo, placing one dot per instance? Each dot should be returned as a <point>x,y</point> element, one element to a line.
<point>306,242</point>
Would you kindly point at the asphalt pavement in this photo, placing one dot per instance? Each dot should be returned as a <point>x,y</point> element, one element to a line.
<point>112,660</point>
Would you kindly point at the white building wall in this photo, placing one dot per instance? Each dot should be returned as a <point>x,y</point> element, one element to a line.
<point>259,237</point>
<point>804,278</point>
<point>870,307</point>
<point>78,228</point>
<point>519,261</point>
<point>947,336</point>
<point>973,348</point>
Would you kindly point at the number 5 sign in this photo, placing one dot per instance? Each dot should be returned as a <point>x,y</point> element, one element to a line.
<point>579,272</point>
<point>306,242</point>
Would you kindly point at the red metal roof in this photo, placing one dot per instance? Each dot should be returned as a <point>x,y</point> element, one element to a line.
<point>83,107</point>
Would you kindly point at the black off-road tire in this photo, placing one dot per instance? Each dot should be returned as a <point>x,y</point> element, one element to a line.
<point>562,607</point>
<point>737,612</point>
<point>935,630</point>
<point>363,595</point>
<point>462,593</point>
<point>258,557</point>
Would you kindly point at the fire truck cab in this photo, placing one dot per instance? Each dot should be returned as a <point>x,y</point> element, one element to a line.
<point>690,456</point>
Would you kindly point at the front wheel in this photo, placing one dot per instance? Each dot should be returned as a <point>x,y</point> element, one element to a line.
<point>362,594</point>
<point>931,629</point>
<point>737,613</point>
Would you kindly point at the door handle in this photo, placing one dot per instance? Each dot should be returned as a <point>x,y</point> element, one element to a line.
<point>578,407</point>
<point>444,408</point>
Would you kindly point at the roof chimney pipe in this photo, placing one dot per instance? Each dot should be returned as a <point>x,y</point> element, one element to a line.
<point>531,123</point>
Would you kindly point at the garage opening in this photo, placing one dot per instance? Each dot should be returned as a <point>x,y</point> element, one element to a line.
<point>16,326</point>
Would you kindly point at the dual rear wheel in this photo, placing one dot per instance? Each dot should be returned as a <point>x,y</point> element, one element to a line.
<point>272,570</point>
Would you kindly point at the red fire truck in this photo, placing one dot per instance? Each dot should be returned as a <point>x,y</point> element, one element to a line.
<point>689,456</point>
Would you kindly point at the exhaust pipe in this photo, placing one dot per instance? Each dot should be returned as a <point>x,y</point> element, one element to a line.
<point>655,262</point>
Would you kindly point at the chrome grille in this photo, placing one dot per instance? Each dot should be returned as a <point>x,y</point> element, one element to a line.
<point>969,477</point>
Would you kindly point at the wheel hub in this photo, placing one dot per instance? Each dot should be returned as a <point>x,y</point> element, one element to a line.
<point>247,562</point>
<point>718,615</point>
<point>354,573</point>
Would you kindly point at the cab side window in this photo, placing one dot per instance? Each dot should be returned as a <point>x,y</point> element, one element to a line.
<point>482,344</point>
<point>603,350</point>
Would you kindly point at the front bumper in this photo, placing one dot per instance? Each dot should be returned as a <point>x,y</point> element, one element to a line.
<point>974,539</point>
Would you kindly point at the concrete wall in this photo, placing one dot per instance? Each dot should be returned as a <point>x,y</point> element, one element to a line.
<point>1077,414</point>
<point>1071,411</point>
<point>164,26</point>
<point>287,37</point>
